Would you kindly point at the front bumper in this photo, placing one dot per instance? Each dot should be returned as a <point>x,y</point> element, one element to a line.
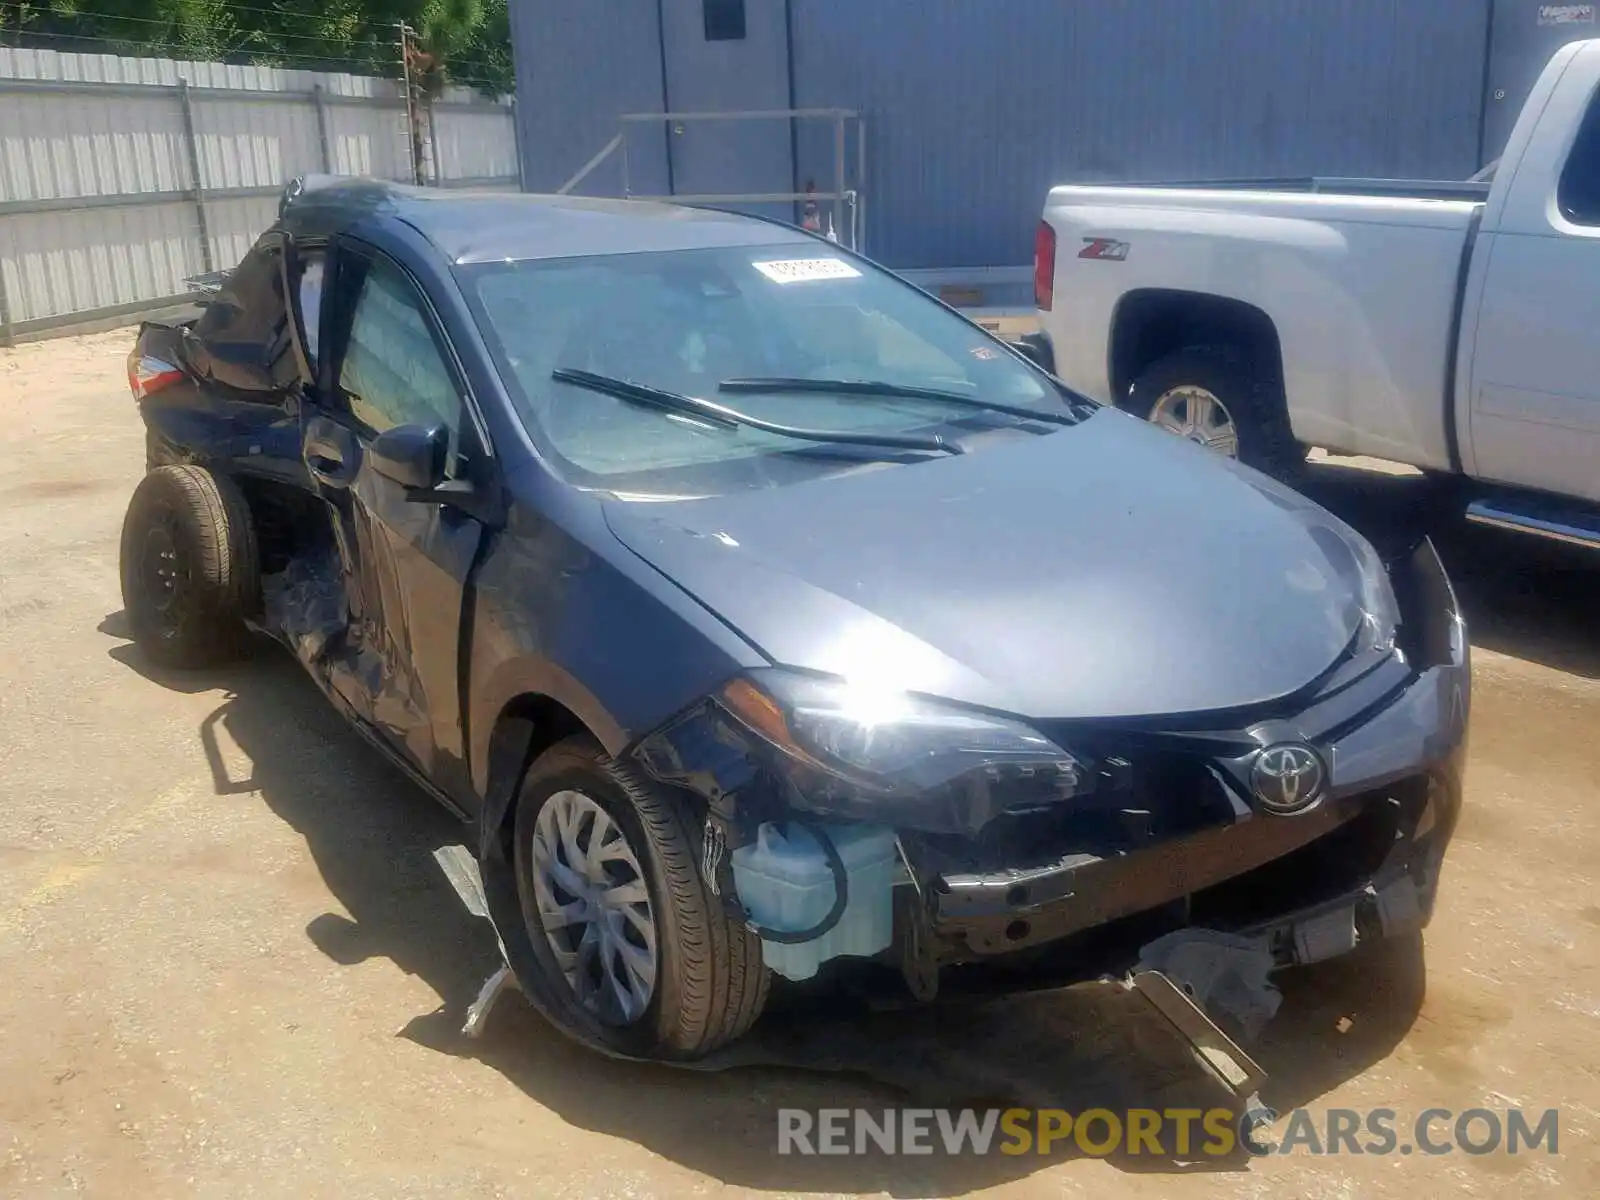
<point>1173,839</point>
<point>1361,867</point>
<point>1363,863</point>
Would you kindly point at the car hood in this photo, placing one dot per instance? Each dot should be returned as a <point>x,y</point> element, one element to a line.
<point>1105,570</point>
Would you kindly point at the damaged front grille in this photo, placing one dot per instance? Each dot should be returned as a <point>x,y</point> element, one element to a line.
<point>1136,801</point>
<point>1322,870</point>
<point>1228,876</point>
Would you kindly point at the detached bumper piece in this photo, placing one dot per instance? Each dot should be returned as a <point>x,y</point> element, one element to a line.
<point>1219,1055</point>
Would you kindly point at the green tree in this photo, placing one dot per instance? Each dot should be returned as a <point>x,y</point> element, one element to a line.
<point>459,41</point>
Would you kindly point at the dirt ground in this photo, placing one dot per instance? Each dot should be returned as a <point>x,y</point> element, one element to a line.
<point>231,967</point>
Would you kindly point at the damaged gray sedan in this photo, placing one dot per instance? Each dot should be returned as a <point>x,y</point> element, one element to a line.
<point>762,616</point>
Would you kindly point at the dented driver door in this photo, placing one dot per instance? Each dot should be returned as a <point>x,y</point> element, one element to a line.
<point>406,560</point>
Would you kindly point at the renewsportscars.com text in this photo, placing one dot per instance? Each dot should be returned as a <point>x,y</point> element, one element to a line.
<point>1171,1132</point>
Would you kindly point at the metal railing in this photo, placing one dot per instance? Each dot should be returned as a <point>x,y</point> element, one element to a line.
<point>846,196</point>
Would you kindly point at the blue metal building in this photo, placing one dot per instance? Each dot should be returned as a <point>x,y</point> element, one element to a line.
<point>967,111</point>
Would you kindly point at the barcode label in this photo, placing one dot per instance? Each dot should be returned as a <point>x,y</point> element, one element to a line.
<point>803,270</point>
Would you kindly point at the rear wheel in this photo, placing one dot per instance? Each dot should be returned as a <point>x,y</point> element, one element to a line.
<point>1218,398</point>
<point>188,565</point>
<point>608,880</point>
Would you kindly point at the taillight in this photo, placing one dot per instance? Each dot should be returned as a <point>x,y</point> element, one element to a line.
<point>1044,266</point>
<point>148,374</point>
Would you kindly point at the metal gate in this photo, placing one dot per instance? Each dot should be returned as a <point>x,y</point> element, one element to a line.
<point>845,213</point>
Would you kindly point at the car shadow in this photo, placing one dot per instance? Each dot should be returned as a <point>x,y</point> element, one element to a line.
<point>372,835</point>
<point>1523,596</point>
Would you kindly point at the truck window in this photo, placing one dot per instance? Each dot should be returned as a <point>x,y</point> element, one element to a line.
<point>1578,194</point>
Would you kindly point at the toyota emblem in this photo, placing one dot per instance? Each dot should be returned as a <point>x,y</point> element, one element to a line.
<point>1288,778</point>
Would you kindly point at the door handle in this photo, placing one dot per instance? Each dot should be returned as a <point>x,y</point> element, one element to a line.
<point>330,471</point>
<point>331,453</point>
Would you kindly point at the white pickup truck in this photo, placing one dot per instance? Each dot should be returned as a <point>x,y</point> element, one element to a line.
<point>1452,326</point>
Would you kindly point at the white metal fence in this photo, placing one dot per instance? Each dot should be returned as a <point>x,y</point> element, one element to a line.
<point>119,177</point>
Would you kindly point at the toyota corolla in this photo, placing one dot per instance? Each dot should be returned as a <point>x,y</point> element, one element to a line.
<point>763,616</point>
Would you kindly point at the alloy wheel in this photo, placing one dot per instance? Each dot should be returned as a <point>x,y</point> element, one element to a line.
<point>594,907</point>
<point>1195,414</point>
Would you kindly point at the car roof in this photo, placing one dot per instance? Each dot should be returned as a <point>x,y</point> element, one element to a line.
<point>476,227</point>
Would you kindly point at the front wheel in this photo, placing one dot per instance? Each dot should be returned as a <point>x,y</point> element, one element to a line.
<point>608,879</point>
<point>1218,398</point>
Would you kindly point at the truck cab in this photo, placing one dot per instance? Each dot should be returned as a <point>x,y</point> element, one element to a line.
<point>1529,357</point>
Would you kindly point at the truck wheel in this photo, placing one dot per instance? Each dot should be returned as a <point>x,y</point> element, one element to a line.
<point>189,570</point>
<point>1214,396</point>
<point>607,867</point>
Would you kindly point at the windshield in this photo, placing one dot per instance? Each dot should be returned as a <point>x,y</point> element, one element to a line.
<point>756,319</point>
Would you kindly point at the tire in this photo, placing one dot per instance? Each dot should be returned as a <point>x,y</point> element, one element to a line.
<point>192,529</point>
<point>1252,397</point>
<point>710,984</point>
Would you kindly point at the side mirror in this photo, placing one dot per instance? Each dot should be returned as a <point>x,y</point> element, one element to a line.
<point>1036,348</point>
<point>411,455</point>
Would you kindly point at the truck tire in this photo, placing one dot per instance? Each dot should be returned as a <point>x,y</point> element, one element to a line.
<point>189,567</point>
<point>607,866</point>
<point>1239,406</point>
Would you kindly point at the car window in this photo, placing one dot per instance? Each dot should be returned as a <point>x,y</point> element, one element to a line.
<point>245,326</point>
<point>393,372</point>
<point>1579,191</point>
<point>309,289</point>
<point>686,320</point>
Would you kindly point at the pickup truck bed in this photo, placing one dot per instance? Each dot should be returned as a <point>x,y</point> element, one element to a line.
<point>1416,189</point>
<point>1202,263</point>
<point>1448,325</point>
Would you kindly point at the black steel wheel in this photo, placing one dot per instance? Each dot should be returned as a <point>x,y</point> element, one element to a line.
<point>189,566</point>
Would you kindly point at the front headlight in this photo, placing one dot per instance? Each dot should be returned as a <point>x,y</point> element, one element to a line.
<point>1380,610</point>
<point>889,741</point>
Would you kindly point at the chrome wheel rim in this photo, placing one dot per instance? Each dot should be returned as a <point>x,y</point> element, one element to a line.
<point>1198,416</point>
<point>594,907</point>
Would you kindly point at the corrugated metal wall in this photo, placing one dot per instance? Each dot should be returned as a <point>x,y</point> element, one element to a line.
<point>472,143</point>
<point>99,209</point>
<point>987,105</point>
<point>750,74</point>
<point>974,109</point>
<point>1526,34</point>
<point>579,67</point>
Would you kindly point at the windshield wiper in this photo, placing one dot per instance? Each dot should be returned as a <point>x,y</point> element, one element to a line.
<point>729,418</point>
<point>875,387</point>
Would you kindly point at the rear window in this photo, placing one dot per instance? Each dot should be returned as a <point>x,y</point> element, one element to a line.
<point>686,320</point>
<point>244,327</point>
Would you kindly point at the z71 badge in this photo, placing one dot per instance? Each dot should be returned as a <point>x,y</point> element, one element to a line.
<point>1105,249</point>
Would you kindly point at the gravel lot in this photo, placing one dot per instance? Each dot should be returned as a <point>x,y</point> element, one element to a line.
<point>231,967</point>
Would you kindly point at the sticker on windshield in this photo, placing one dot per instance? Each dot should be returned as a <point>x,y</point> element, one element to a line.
<point>804,270</point>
